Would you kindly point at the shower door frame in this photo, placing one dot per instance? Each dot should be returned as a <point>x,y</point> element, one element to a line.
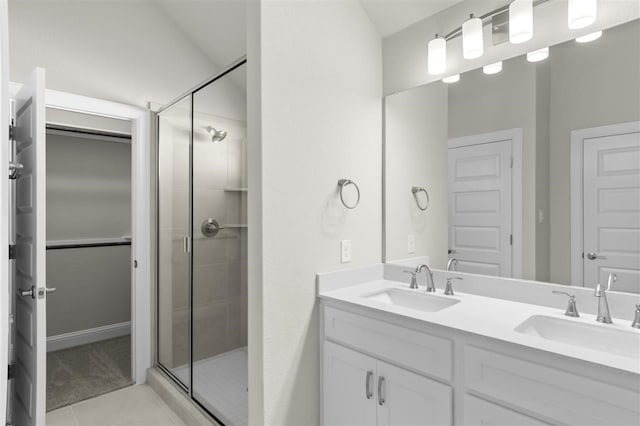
<point>166,371</point>
<point>140,211</point>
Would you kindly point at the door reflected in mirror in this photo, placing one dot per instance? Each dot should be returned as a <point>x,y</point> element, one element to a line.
<point>533,172</point>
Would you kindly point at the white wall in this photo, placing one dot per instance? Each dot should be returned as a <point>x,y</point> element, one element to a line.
<point>320,120</point>
<point>415,154</point>
<point>405,53</point>
<point>125,51</point>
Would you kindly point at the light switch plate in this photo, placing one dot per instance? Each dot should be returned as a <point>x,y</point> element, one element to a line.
<point>411,243</point>
<point>345,251</point>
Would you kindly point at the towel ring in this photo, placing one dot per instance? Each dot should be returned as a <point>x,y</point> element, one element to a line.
<point>415,190</point>
<point>346,182</point>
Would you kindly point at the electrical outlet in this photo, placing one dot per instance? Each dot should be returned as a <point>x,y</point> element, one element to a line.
<point>411,243</point>
<point>345,251</point>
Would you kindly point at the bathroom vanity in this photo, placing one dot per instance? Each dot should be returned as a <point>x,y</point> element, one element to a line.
<point>392,355</point>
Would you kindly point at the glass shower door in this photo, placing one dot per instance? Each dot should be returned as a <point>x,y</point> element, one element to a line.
<point>174,215</point>
<point>219,249</point>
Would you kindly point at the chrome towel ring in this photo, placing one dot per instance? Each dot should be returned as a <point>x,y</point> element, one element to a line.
<point>415,190</point>
<point>342,183</point>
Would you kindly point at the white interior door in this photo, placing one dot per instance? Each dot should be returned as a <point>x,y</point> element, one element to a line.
<point>30,355</point>
<point>480,216</point>
<point>4,209</point>
<point>611,190</point>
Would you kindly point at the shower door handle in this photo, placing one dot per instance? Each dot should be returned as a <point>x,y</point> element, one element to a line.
<point>186,244</point>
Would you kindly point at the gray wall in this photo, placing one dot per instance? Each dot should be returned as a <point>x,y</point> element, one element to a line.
<point>592,85</point>
<point>481,103</point>
<point>88,197</point>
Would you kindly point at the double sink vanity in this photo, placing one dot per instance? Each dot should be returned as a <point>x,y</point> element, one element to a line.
<point>392,355</point>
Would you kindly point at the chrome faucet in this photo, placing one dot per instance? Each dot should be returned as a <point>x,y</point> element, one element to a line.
<point>603,306</point>
<point>431,287</point>
<point>452,264</point>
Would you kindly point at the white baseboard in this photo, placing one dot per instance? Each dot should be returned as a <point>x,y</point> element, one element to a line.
<point>82,337</point>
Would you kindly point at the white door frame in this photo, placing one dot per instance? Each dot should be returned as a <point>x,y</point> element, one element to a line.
<point>140,212</point>
<point>578,138</point>
<point>516,136</point>
<point>4,208</point>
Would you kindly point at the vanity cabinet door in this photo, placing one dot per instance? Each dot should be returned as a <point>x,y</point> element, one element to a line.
<point>406,398</point>
<point>347,400</point>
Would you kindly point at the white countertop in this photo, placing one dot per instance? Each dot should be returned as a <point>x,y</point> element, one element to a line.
<point>487,316</point>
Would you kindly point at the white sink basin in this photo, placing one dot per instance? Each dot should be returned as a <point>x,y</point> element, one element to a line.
<point>412,299</point>
<point>595,337</point>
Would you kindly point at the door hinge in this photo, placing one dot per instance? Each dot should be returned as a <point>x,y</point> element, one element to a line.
<point>11,372</point>
<point>511,239</point>
<point>12,251</point>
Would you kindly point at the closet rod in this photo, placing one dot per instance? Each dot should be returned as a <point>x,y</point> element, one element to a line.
<point>85,245</point>
<point>92,132</point>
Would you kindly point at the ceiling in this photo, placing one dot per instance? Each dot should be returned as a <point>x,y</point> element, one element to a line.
<point>217,27</point>
<point>391,16</point>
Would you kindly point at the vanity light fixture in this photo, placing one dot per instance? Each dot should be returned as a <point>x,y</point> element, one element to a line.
<point>589,37</point>
<point>581,13</point>
<point>451,79</point>
<point>520,21</point>
<point>437,56</point>
<point>494,68</point>
<point>538,55</point>
<point>472,40</point>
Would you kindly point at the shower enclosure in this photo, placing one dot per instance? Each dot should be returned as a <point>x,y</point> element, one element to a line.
<point>202,245</point>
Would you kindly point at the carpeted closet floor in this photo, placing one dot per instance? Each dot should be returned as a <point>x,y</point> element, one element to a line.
<point>86,371</point>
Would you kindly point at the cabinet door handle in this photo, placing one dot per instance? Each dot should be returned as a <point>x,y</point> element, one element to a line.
<point>380,390</point>
<point>367,388</point>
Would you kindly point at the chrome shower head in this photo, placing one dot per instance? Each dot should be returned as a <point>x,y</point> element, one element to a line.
<point>216,135</point>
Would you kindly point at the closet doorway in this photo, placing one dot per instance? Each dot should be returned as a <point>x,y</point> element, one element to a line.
<point>88,256</point>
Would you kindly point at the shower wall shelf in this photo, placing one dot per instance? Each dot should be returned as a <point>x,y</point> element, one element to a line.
<point>235,189</point>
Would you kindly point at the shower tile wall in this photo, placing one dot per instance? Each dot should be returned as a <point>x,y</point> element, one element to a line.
<point>219,263</point>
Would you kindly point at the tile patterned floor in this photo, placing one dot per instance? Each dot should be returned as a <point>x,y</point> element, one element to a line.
<point>136,405</point>
<point>220,384</point>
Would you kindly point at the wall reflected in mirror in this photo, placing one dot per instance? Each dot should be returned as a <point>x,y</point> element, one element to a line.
<point>526,169</point>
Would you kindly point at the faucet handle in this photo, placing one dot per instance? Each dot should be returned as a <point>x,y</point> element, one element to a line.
<point>572,309</point>
<point>636,318</point>
<point>448,289</point>
<point>414,281</point>
<point>610,280</point>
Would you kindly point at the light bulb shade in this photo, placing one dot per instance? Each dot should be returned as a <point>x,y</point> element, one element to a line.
<point>581,13</point>
<point>538,55</point>
<point>472,41</point>
<point>451,79</point>
<point>520,21</point>
<point>492,68</point>
<point>589,37</point>
<point>437,56</point>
